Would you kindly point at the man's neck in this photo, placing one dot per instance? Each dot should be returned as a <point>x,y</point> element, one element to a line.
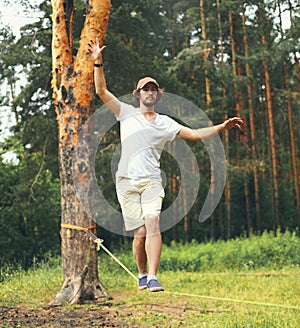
<point>148,112</point>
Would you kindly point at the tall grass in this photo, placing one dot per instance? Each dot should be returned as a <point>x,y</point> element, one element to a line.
<point>264,252</point>
<point>32,286</point>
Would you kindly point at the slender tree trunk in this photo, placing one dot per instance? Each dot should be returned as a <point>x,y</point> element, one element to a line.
<point>272,135</point>
<point>292,138</point>
<point>293,141</point>
<point>73,91</point>
<point>227,185</point>
<point>206,52</point>
<point>174,185</point>
<point>245,164</point>
<point>220,32</point>
<point>248,210</point>
<point>213,227</point>
<point>186,217</point>
<point>225,134</point>
<point>291,118</point>
<point>234,66</point>
<point>222,225</point>
<point>297,71</point>
<point>295,55</point>
<point>235,75</point>
<point>252,126</point>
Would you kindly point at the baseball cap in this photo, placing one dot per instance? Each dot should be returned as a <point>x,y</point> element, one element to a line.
<point>142,82</point>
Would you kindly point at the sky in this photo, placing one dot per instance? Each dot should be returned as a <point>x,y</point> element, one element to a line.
<point>15,17</point>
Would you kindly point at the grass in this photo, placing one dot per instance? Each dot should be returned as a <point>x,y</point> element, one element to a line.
<point>239,296</point>
<point>207,304</point>
<point>32,287</point>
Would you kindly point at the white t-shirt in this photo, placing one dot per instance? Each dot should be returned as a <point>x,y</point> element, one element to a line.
<point>142,143</point>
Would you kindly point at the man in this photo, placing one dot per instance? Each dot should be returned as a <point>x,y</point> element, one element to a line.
<point>138,180</point>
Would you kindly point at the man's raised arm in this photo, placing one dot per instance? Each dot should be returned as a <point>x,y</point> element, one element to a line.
<point>110,100</point>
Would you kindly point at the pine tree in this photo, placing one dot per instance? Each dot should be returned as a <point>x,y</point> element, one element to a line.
<point>73,92</point>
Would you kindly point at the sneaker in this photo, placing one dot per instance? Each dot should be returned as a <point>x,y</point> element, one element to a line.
<point>142,283</point>
<point>154,286</point>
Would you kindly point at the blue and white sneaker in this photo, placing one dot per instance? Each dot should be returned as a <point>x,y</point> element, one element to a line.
<point>142,283</point>
<point>154,286</point>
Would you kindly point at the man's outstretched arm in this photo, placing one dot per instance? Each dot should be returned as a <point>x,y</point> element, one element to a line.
<point>111,101</point>
<point>205,133</point>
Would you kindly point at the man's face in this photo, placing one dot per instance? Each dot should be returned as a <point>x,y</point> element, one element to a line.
<point>148,94</point>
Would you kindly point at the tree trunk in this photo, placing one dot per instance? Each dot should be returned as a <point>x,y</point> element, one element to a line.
<point>236,90</point>
<point>73,92</point>
<point>174,185</point>
<point>220,32</point>
<point>252,126</point>
<point>292,139</point>
<point>272,136</point>
<point>291,118</point>
<point>227,184</point>
<point>234,68</point>
<point>295,54</point>
<point>206,51</point>
<point>297,71</point>
<point>225,136</point>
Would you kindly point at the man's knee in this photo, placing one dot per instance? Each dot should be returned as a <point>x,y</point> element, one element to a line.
<point>152,223</point>
<point>140,236</point>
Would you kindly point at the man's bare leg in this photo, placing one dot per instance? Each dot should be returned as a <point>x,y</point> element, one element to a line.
<point>153,243</point>
<point>138,249</point>
<point>147,246</point>
<point>153,251</point>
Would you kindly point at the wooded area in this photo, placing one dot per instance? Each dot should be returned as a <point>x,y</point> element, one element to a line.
<point>227,57</point>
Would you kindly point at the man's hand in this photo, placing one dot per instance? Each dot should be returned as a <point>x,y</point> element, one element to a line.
<point>234,122</point>
<point>94,49</point>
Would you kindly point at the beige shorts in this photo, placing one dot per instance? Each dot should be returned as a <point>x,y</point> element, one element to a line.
<point>137,199</point>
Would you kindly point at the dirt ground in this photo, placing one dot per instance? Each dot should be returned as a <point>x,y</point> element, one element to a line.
<point>54,317</point>
<point>113,312</point>
<point>98,314</point>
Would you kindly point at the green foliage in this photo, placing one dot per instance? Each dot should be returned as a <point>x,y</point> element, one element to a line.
<point>29,205</point>
<point>30,211</point>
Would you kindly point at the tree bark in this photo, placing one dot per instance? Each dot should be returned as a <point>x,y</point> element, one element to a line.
<point>227,184</point>
<point>73,92</point>
<point>252,127</point>
<point>206,51</point>
<point>225,136</point>
<point>271,132</point>
<point>293,141</point>
<point>236,92</point>
<point>295,54</point>
<point>174,186</point>
<point>291,117</point>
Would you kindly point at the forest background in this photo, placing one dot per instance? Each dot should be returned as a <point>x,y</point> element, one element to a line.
<point>227,57</point>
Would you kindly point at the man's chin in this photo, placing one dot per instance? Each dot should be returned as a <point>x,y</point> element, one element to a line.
<point>149,104</point>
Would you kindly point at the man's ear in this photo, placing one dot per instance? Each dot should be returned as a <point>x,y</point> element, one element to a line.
<point>137,95</point>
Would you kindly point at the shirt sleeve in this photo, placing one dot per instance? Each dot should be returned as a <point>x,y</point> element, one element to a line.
<point>125,111</point>
<point>173,128</point>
